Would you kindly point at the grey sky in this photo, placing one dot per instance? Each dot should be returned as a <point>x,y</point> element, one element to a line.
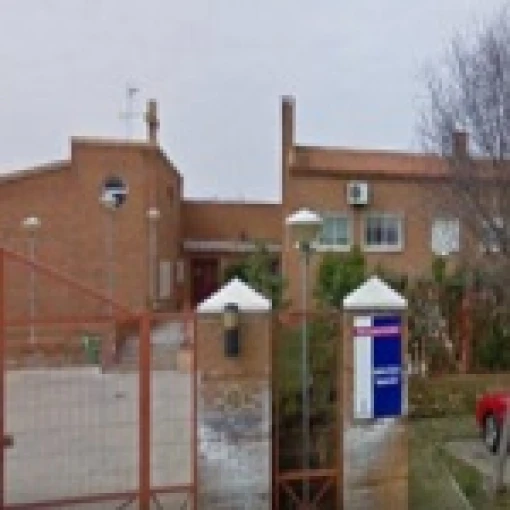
<point>218,69</point>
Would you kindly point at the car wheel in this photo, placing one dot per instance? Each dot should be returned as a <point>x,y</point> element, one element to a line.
<point>491,433</point>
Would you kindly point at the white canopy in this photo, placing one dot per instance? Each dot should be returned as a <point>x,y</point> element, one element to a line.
<point>237,292</point>
<point>374,294</point>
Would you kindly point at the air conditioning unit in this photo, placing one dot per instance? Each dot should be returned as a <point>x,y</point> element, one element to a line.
<point>357,193</point>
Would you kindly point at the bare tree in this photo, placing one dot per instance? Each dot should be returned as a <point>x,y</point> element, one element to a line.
<point>466,120</point>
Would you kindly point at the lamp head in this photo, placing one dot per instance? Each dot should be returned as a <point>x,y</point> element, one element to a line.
<point>304,225</point>
<point>31,223</point>
<point>108,200</point>
<point>153,214</point>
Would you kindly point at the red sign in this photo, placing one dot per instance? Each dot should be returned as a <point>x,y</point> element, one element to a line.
<point>377,331</point>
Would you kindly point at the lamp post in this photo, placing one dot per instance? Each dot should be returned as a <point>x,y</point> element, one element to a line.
<point>109,202</point>
<point>32,224</point>
<point>153,215</point>
<point>304,225</point>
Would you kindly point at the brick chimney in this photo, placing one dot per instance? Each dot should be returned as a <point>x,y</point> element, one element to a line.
<point>288,128</point>
<point>460,144</point>
<point>288,134</point>
<point>152,121</point>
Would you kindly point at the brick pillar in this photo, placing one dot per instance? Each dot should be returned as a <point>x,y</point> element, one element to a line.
<point>374,408</point>
<point>234,414</point>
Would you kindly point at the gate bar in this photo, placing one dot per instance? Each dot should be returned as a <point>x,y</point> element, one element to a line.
<point>2,377</point>
<point>194,418</point>
<point>144,405</point>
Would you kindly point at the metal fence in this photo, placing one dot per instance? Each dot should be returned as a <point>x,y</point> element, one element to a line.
<point>307,411</point>
<point>99,402</point>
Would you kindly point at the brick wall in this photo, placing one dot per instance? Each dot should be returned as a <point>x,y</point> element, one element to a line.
<point>234,416</point>
<point>374,452</point>
<point>74,227</point>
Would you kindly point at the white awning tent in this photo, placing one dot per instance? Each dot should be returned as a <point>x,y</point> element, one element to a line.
<point>374,294</point>
<point>235,292</point>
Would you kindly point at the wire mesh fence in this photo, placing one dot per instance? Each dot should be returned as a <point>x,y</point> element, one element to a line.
<point>98,402</point>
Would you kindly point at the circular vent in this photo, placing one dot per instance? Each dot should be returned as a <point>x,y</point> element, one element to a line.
<point>114,192</point>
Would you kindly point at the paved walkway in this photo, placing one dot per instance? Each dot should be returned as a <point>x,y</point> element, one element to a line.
<point>76,432</point>
<point>474,453</point>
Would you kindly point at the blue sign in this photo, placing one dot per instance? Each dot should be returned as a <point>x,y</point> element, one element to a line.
<point>387,371</point>
<point>377,366</point>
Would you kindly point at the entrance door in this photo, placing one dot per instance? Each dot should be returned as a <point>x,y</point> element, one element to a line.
<point>204,278</point>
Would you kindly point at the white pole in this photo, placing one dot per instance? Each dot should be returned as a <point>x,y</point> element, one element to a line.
<point>110,258</point>
<point>153,215</point>
<point>305,258</point>
<point>31,224</point>
<point>31,241</point>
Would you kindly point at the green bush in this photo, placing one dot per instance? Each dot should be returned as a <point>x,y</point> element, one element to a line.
<point>451,395</point>
<point>338,275</point>
<point>258,271</point>
<point>493,349</point>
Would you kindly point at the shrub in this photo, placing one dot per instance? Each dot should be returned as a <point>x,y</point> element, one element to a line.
<point>339,274</point>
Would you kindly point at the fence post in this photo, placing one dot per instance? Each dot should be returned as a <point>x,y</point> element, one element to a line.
<point>2,377</point>
<point>144,405</point>
<point>194,390</point>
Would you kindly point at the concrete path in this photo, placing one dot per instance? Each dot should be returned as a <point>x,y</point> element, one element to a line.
<point>474,453</point>
<point>76,432</point>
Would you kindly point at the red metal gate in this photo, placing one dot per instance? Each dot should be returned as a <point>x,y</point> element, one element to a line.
<point>98,401</point>
<point>307,478</point>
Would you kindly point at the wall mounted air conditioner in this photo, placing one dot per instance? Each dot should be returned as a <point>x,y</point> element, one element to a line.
<point>357,193</point>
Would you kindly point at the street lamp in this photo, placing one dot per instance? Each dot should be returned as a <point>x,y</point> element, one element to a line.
<point>153,215</point>
<point>32,224</point>
<point>304,226</point>
<point>109,202</point>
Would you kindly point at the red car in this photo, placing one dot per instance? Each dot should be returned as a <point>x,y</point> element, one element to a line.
<point>490,414</point>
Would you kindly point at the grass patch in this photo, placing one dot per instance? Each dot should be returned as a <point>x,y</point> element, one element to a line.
<point>471,483</point>
<point>430,467</point>
<point>469,479</point>
<point>429,484</point>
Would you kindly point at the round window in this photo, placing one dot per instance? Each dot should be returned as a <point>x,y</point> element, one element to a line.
<point>114,192</point>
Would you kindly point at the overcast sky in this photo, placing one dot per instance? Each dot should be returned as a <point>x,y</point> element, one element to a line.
<point>218,69</point>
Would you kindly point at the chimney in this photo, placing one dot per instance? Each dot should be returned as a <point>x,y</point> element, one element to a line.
<point>288,128</point>
<point>152,121</point>
<point>460,143</point>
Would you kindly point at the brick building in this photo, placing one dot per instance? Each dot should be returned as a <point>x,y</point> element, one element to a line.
<point>393,205</point>
<point>155,247</point>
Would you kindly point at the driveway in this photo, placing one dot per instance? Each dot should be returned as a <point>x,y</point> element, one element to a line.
<point>76,432</point>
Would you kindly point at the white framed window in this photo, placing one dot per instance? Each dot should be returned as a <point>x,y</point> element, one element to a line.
<point>492,233</point>
<point>383,232</point>
<point>165,279</point>
<point>336,232</point>
<point>445,236</point>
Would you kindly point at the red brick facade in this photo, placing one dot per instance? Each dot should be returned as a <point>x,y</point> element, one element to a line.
<point>192,236</point>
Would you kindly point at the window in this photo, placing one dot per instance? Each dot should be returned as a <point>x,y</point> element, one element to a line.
<point>383,232</point>
<point>165,279</point>
<point>445,236</point>
<point>336,232</point>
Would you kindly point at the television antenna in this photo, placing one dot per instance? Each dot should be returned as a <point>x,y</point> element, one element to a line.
<point>129,114</point>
